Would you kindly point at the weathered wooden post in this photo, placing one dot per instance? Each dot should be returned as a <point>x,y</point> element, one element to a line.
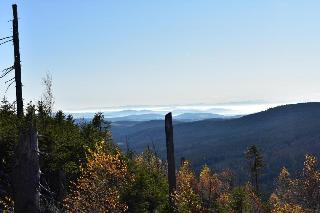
<point>170,158</point>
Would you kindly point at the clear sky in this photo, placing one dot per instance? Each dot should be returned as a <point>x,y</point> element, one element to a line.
<point>104,53</point>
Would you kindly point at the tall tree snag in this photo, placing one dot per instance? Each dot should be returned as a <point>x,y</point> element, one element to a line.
<point>17,65</point>
<point>26,170</point>
<point>170,157</point>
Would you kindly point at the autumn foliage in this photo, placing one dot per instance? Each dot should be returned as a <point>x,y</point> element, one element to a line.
<point>300,194</point>
<point>212,192</point>
<point>99,187</point>
<point>186,197</point>
<point>112,181</point>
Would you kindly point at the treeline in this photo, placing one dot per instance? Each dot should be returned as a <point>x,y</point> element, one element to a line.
<point>63,148</point>
<point>83,171</point>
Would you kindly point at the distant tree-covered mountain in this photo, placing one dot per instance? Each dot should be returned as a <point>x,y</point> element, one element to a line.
<point>284,134</point>
<point>198,116</point>
<point>186,117</point>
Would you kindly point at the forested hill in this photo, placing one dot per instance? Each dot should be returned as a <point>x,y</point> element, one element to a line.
<point>284,134</point>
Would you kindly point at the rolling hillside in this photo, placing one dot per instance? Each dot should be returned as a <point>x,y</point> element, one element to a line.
<point>284,134</point>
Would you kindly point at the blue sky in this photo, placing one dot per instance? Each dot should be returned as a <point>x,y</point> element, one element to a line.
<point>104,53</point>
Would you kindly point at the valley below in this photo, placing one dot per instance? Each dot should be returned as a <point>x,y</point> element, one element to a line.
<point>284,135</point>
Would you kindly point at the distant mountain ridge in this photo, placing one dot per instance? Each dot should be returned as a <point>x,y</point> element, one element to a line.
<point>140,117</point>
<point>182,117</point>
<point>155,116</point>
<point>197,116</point>
<point>285,134</point>
<point>227,109</point>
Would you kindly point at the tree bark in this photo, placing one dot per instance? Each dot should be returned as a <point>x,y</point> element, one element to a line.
<point>170,158</point>
<point>17,65</point>
<point>26,173</point>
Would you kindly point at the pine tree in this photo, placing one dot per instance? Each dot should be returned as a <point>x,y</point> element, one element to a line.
<point>256,164</point>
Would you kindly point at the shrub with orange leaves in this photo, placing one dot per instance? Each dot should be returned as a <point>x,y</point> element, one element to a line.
<point>185,197</point>
<point>204,193</point>
<point>240,199</point>
<point>279,207</point>
<point>99,187</point>
<point>210,187</point>
<point>301,194</point>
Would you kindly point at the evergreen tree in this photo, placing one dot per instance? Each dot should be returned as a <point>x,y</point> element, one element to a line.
<point>256,164</point>
<point>148,189</point>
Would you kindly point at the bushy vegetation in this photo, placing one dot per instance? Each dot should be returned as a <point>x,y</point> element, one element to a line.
<point>63,147</point>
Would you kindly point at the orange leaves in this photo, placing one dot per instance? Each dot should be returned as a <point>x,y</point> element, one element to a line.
<point>99,187</point>
<point>198,194</point>
<point>277,206</point>
<point>301,194</point>
<point>210,186</point>
<point>212,192</point>
<point>185,197</point>
<point>106,177</point>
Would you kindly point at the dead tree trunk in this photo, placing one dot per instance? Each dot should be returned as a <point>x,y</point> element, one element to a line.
<point>26,173</point>
<point>17,65</point>
<point>61,186</point>
<point>170,158</point>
